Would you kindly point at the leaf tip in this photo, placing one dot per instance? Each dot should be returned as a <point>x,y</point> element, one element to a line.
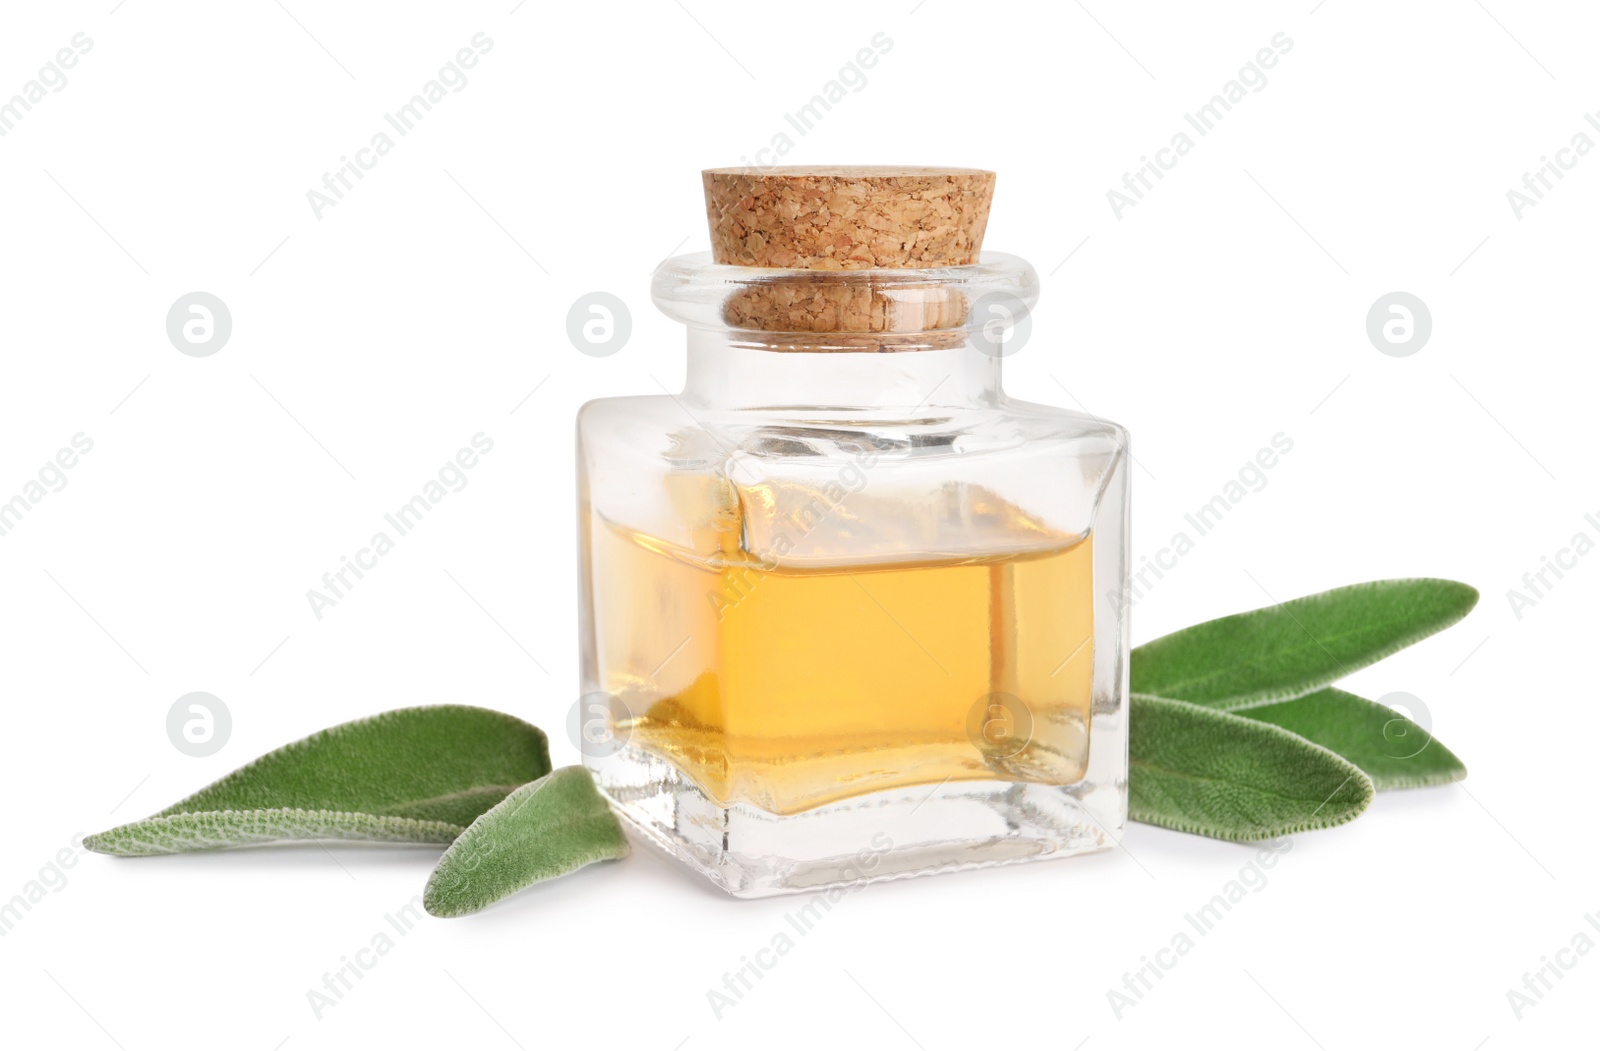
<point>114,842</point>
<point>436,904</point>
<point>1467,594</point>
<point>1368,790</point>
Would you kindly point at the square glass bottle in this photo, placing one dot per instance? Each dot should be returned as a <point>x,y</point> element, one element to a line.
<point>850,612</point>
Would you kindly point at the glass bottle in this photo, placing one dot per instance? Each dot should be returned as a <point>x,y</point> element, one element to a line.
<point>850,612</point>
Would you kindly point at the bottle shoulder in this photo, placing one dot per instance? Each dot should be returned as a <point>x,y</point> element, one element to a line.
<point>1063,421</point>
<point>969,430</point>
<point>947,481</point>
<point>601,409</point>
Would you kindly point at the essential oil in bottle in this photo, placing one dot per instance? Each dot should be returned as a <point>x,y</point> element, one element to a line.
<point>850,610</point>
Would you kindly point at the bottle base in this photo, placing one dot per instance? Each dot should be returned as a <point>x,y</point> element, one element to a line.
<point>893,834</point>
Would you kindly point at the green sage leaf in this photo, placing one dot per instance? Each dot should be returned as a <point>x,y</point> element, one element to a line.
<point>1295,647</point>
<point>1391,749</point>
<point>1216,774</point>
<point>412,775</point>
<point>553,826</point>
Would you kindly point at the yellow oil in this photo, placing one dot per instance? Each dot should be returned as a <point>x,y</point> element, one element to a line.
<point>791,682</point>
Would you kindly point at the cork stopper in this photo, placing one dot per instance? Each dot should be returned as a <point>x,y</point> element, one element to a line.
<point>848,218</point>
<point>837,220</point>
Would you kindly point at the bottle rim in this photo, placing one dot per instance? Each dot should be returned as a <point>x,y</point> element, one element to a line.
<point>866,309</point>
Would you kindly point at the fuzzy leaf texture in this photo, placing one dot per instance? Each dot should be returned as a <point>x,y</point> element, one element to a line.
<point>1221,775</point>
<point>1389,748</point>
<point>417,775</point>
<point>1296,647</point>
<point>553,826</point>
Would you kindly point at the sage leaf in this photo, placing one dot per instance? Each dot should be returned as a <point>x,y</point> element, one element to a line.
<point>1216,774</point>
<point>417,775</point>
<point>553,826</point>
<point>1391,749</point>
<point>1296,647</point>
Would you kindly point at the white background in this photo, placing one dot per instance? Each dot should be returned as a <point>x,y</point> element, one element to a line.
<point>372,343</point>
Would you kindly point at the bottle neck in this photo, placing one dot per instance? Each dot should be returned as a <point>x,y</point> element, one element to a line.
<point>727,371</point>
